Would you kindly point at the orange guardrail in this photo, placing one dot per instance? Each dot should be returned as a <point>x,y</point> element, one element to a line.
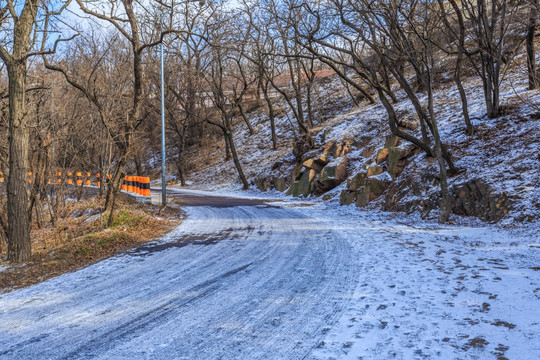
<point>138,185</point>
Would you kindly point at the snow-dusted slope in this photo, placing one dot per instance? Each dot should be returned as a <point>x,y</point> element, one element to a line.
<point>503,153</point>
<point>253,281</point>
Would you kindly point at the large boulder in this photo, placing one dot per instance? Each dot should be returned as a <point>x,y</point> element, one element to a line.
<point>280,184</point>
<point>331,176</point>
<point>476,198</point>
<point>315,164</point>
<point>328,150</point>
<point>391,141</point>
<point>374,170</point>
<point>357,181</point>
<point>344,148</point>
<point>373,188</point>
<point>301,187</point>
<point>393,158</point>
<point>362,189</point>
<point>347,197</point>
<point>382,155</point>
<point>393,164</point>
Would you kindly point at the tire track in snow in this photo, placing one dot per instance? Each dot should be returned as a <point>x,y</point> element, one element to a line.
<point>148,319</point>
<point>266,286</point>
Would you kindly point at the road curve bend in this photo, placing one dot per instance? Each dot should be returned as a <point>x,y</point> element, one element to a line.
<point>239,279</point>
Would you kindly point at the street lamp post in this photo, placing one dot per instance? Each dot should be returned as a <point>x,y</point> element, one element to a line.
<point>162,63</point>
<point>163,184</point>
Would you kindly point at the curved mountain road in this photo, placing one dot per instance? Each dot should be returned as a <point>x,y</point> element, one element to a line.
<point>245,279</point>
<point>238,279</point>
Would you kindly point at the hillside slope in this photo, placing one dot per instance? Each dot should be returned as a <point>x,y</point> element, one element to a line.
<point>499,165</point>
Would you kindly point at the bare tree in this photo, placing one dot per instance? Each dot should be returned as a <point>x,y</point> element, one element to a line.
<point>531,51</point>
<point>227,80</point>
<point>261,55</point>
<point>21,18</point>
<point>120,122</point>
<point>185,101</point>
<point>386,37</point>
<point>489,27</point>
<point>458,35</point>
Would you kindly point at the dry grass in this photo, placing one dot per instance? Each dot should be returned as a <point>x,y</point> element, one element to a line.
<point>83,238</point>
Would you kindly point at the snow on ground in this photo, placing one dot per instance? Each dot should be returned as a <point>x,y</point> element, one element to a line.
<point>503,153</point>
<point>298,281</point>
<point>427,291</point>
<point>465,291</point>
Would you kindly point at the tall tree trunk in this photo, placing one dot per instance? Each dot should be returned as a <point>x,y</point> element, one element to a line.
<point>114,188</point>
<point>463,97</point>
<point>227,145</point>
<point>272,117</point>
<point>531,53</point>
<point>245,184</point>
<point>308,103</point>
<point>19,247</point>
<point>180,168</point>
<point>459,61</point>
<point>492,91</point>
<point>244,117</point>
<point>388,84</point>
<point>446,201</point>
<point>138,165</point>
<point>180,160</point>
<point>297,85</point>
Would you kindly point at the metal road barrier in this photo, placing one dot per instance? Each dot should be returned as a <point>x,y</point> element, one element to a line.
<point>137,185</point>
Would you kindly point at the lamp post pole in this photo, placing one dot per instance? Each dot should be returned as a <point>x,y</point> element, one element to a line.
<point>163,167</point>
<point>162,63</point>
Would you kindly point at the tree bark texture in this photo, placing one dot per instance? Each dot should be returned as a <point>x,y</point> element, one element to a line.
<point>19,249</point>
<point>531,51</point>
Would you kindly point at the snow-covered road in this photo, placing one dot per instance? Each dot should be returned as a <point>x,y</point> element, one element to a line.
<point>242,279</point>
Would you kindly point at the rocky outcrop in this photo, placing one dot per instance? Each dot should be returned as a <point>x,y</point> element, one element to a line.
<point>475,198</point>
<point>364,188</point>
<point>371,183</point>
<point>331,176</point>
<point>302,185</point>
<point>315,164</point>
<point>325,168</point>
<point>280,184</point>
<point>317,176</point>
<point>372,189</point>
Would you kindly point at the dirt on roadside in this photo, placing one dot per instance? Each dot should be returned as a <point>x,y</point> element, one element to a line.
<point>82,238</point>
